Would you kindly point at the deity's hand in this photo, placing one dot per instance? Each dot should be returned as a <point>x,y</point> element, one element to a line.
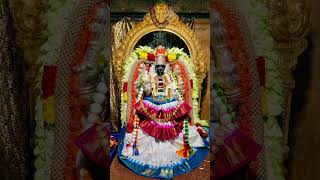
<point>147,88</point>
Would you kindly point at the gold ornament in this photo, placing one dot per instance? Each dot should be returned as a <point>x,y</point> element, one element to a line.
<point>162,10</point>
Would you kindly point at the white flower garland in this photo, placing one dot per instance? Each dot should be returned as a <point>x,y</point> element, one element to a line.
<point>195,92</point>
<point>188,64</point>
<point>256,15</point>
<point>56,18</point>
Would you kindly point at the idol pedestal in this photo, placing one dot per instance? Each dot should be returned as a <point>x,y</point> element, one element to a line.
<point>120,172</point>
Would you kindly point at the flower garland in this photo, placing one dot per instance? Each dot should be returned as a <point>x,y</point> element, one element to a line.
<point>257,16</point>
<point>195,89</point>
<point>175,81</point>
<point>248,115</point>
<point>273,92</point>
<point>136,130</point>
<point>133,101</point>
<point>143,52</point>
<point>78,104</point>
<point>240,54</point>
<point>185,81</point>
<point>55,18</point>
<point>186,151</point>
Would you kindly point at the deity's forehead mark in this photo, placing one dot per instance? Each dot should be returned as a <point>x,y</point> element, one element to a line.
<point>160,54</point>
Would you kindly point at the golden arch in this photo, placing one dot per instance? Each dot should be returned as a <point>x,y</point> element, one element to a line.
<point>175,26</point>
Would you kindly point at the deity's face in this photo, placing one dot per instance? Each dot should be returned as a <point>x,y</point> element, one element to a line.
<point>160,69</point>
<point>161,12</point>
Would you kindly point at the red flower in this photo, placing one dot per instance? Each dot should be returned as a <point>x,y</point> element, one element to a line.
<point>130,126</point>
<point>202,133</point>
<point>125,87</point>
<point>161,51</point>
<point>49,80</point>
<point>261,63</point>
<point>151,57</point>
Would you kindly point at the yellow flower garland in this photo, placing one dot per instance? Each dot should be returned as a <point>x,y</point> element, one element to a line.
<point>49,107</point>
<point>172,56</point>
<point>143,55</point>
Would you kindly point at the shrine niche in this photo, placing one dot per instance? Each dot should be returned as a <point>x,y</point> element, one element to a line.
<point>161,67</point>
<point>160,83</point>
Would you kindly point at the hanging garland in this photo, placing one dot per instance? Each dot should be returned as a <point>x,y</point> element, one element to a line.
<point>273,92</point>
<point>249,117</point>
<point>241,55</point>
<point>78,104</point>
<point>257,15</point>
<point>186,151</point>
<point>145,53</point>
<point>56,19</point>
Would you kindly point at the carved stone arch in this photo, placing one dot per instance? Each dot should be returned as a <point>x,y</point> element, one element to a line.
<point>175,26</point>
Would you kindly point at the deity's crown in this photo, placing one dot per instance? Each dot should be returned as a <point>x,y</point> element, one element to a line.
<point>161,51</point>
<point>160,54</point>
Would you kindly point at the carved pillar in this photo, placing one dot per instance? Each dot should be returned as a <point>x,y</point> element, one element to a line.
<point>202,30</point>
<point>13,131</point>
<point>290,22</point>
<point>28,17</point>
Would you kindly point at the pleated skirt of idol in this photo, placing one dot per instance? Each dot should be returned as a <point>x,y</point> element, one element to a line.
<point>157,149</point>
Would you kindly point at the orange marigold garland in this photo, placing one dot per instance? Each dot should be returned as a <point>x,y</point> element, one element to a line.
<point>130,125</point>
<point>186,151</point>
<point>78,104</point>
<point>241,55</point>
<point>185,79</point>
<point>135,151</point>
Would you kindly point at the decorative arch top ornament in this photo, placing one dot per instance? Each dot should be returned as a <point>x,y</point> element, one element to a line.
<point>161,18</point>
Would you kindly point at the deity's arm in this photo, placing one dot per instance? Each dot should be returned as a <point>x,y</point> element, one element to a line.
<point>146,84</point>
<point>153,84</point>
<point>177,76</point>
<point>142,78</point>
<point>168,85</point>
